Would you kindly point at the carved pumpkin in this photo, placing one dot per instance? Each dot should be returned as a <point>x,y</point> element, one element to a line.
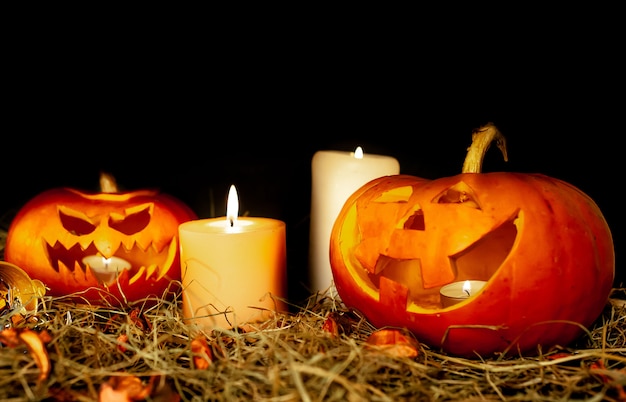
<point>542,246</point>
<point>109,245</point>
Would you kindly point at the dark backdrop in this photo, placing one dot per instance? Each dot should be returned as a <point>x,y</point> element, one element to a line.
<point>193,126</point>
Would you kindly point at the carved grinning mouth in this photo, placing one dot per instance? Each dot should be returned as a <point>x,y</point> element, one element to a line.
<point>141,263</point>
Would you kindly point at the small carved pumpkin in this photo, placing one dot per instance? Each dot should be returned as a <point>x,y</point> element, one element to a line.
<point>542,246</point>
<point>118,246</point>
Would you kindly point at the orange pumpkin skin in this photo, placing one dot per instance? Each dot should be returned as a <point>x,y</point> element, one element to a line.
<point>55,230</point>
<point>542,245</point>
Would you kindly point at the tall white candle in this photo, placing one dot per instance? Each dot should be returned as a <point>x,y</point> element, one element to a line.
<point>233,269</point>
<point>335,175</point>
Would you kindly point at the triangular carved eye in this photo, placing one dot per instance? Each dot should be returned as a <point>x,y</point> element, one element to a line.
<point>75,223</point>
<point>460,193</point>
<point>415,221</point>
<point>133,222</point>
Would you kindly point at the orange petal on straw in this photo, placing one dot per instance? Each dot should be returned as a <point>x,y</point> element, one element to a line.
<point>121,340</point>
<point>124,389</point>
<point>35,343</point>
<point>202,354</point>
<point>9,337</point>
<point>599,368</point>
<point>38,350</point>
<point>330,326</point>
<point>394,342</point>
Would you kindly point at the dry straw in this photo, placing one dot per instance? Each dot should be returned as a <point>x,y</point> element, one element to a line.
<point>94,351</point>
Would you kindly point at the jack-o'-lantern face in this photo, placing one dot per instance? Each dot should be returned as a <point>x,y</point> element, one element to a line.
<point>425,243</point>
<point>110,242</point>
<point>542,247</point>
<point>122,243</point>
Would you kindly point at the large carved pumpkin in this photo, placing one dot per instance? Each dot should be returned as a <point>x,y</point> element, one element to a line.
<point>106,246</point>
<point>542,246</point>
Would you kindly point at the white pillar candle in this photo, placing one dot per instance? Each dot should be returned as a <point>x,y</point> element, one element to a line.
<point>335,175</point>
<point>233,269</point>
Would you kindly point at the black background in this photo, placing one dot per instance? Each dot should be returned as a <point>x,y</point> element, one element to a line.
<point>192,121</point>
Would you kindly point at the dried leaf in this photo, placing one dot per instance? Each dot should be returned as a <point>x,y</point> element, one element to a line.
<point>121,340</point>
<point>35,343</point>
<point>394,342</point>
<point>202,353</point>
<point>130,388</point>
<point>9,337</point>
<point>124,389</point>
<point>38,350</point>
<point>600,369</point>
<point>330,326</point>
<point>560,355</point>
<point>140,321</point>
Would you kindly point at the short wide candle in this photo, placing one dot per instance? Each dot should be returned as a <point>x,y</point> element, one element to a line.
<point>233,271</point>
<point>456,292</point>
<point>335,175</point>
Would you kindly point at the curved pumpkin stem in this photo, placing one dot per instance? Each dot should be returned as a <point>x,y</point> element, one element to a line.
<point>481,140</point>
<point>107,183</point>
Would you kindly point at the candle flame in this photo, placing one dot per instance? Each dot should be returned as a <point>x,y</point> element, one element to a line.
<point>467,287</point>
<point>358,153</point>
<point>232,206</point>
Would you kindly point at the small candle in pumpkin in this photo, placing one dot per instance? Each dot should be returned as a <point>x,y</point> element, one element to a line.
<point>456,292</point>
<point>106,269</point>
<point>233,269</point>
<point>335,175</point>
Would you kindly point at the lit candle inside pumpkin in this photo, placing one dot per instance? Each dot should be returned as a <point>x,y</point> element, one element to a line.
<point>106,269</point>
<point>335,175</point>
<point>456,292</point>
<point>233,269</point>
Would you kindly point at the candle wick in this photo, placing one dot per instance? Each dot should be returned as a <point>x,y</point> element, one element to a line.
<point>468,292</point>
<point>232,222</point>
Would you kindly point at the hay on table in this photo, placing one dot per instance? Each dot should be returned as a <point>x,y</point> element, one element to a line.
<point>290,357</point>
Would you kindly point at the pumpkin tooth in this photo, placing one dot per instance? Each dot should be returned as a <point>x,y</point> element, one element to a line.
<point>64,271</point>
<point>84,243</point>
<point>128,244</point>
<point>154,247</point>
<point>63,267</point>
<point>79,267</point>
<point>137,276</point>
<point>151,248</point>
<point>106,249</point>
<point>171,254</point>
<point>152,268</point>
